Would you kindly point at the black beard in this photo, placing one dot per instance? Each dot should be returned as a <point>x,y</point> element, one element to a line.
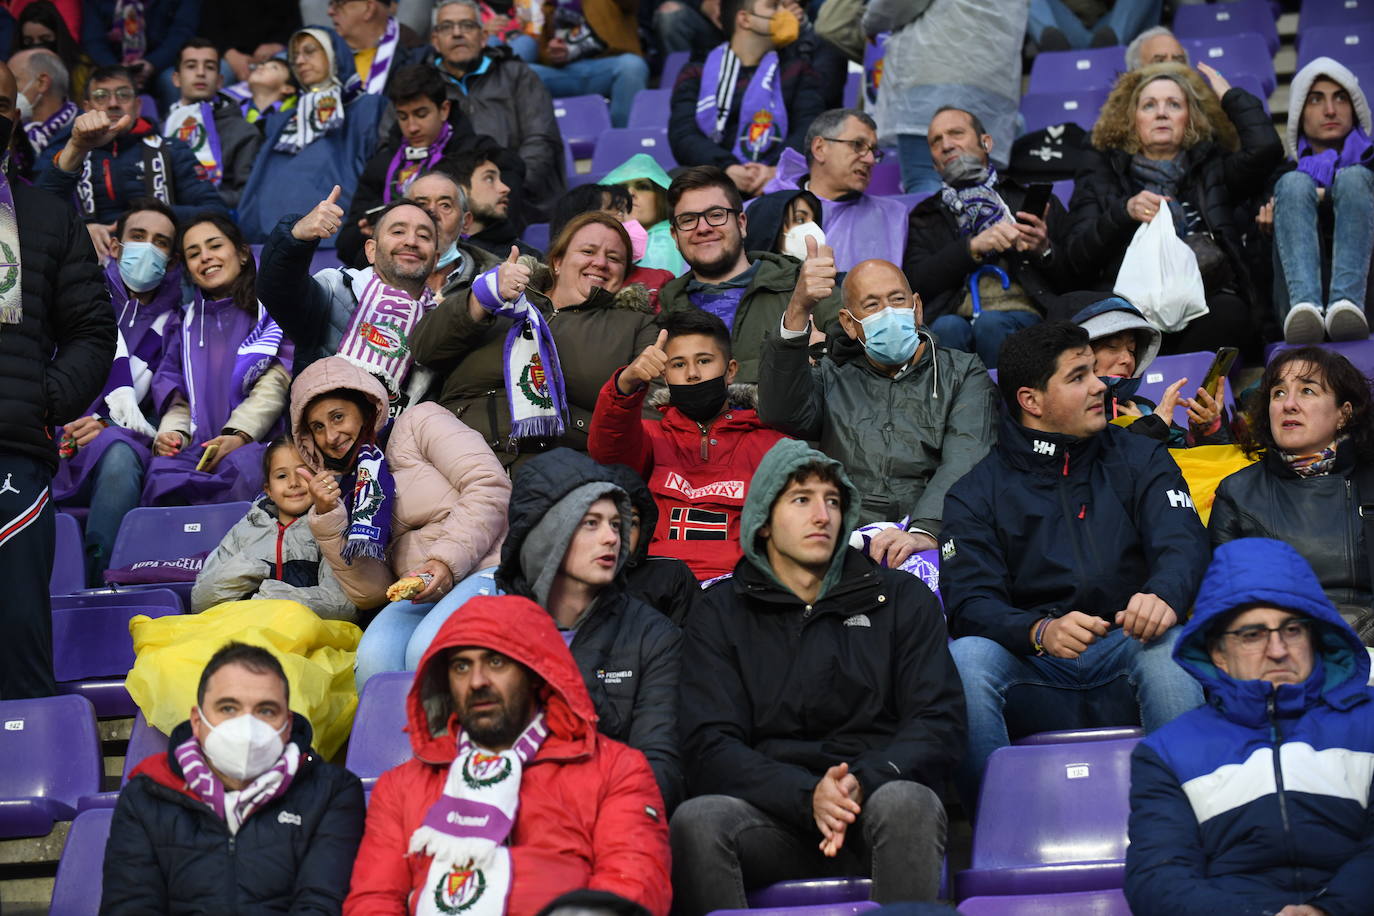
<point>720,265</point>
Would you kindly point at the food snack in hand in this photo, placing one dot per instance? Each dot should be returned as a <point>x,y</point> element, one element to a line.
<point>408,587</point>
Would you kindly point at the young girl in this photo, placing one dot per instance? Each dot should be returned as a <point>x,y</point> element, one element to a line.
<point>271,552</point>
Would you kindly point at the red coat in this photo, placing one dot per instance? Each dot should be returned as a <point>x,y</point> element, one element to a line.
<point>699,476</point>
<point>590,813</point>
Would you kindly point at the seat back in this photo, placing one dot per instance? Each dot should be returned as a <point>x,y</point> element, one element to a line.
<point>92,640</point>
<point>168,532</point>
<point>672,66</point>
<point>1232,54</point>
<point>651,108</point>
<point>69,558</point>
<point>1350,43</point>
<point>1319,13</point>
<point>1081,108</point>
<point>379,741</point>
<point>76,891</point>
<point>1359,352</point>
<point>1076,71</point>
<point>51,751</point>
<point>1166,370</point>
<point>618,144</point>
<point>1087,903</point>
<point>810,892</point>
<point>886,179</point>
<point>1219,20</point>
<point>822,909</point>
<point>581,120</point>
<point>144,742</point>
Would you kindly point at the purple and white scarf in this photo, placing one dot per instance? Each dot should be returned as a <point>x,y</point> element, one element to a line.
<point>370,491</point>
<point>194,124</point>
<point>40,135</point>
<point>130,30</point>
<point>378,336</point>
<point>381,60</point>
<point>465,831</point>
<point>534,377</point>
<point>263,345</point>
<point>205,785</point>
<point>11,289</point>
<point>140,344</point>
<point>1323,166</point>
<point>318,112</point>
<point>410,162</point>
<point>762,114</point>
<point>976,205</point>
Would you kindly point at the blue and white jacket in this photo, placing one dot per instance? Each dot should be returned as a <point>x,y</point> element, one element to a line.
<point>1261,797</point>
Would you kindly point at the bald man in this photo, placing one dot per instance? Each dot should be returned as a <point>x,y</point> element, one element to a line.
<point>905,416</point>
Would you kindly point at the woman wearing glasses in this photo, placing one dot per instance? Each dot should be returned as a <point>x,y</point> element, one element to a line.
<point>1313,425</point>
<point>526,347</point>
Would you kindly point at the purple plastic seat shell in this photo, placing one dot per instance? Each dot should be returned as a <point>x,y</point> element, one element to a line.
<point>52,754</point>
<point>76,890</point>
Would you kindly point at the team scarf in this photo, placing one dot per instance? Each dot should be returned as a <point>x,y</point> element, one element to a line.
<point>370,492</point>
<point>318,112</point>
<point>157,177</point>
<point>381,60</point>
<point>206,786</point>
<point>11,289</point>
<point>1315,465</point>
<point>263,345</point>
<point>763,113</point>
<point>1323,166</point>
<point>378,335</point>
<point>534,378</point>
<point>976,205</point>
<point>410,162</point>
<point>130,30</point>
<point>193,123</point>
<point>131,374</point>
<point>40,135</point>
<point>465,831</point>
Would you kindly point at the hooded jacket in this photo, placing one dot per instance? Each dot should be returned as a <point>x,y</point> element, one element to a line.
<point>768,213</point>
<point>169,853</point>
<point>699,473</point>
<point>665,584</point>
<point>628,653</point>
<point>451,492</point>
<point>775,691</point>
<point>1047,524</point>
<point>168,25</point>
<point>905,439</point>
<point>590,815</point>
<point>262,558</point>
<point>1302,84</point>
<point>1261,797</point>
<point>661,251</point>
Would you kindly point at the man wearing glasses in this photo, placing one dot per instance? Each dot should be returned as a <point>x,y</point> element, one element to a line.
<point>1259,800</point>
<point>111,155</point>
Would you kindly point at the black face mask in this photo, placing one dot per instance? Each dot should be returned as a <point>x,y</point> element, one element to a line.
<point>700,402</point>
<point>6,131</point>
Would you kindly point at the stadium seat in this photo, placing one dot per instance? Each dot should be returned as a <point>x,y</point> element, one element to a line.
<point>911,200</point>
<point>823,909</point>
<point>810,892</point>
<point>616,145</point>
<point>1319,13</point>
<point>1359,352</point>
<point>672,66</point>
<point>147,108</point>
<point>144,742</point>
<point>323,258</point>
<point>581,120</point>
<point>1079,735</point>
<point>1076,71</point>
<point>1218,20</point>
<point>1233,54</point>
<point>379,742</point>
<point>651,108</point>
<point>1064,191</point>
<point>1086,903</point>
<point>1081,108</point>
<point>172,532</point>
<point>1051,819</point>
<point>1166,370</point>
<point>52,758</point>
<point>92,648</point>
<point>853,87</point>
<point>536,234</point>
<point>69,558</point>
<point>76,891</point>
<point>1349,43</point>
<point>1251,84</point>
<point>886,180</point>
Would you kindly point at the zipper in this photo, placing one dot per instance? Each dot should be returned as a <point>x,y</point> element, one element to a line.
<point>1352,515</point>
<point>705,445</point>
<point>1276,735</point>
<point>1062,485</point>
<point>281,535</point>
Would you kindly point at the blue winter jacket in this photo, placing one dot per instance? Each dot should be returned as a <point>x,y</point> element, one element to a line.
<point>169,24</point>
<point>1261,797</point>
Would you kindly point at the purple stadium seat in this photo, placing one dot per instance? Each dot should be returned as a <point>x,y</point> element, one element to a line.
<point>52,758</point>
<point>1359,352</point>
<point>1051,819</point>
<point>823,909</point>
<point>651,108</point>
<point>536,234</point>
<point>1251,84</point>
<point>69,558</point>
<point>1076,71</point>
<point>144,742</point>
<point>378,742</point>
<point>616,145</point>
<point>1350,43</point>
<point>323,258</point>
<point>581,120</point>
<point>1218,20</point>
<point>810,892</point>
<point>1166,370</point>
<point>76,891</point>
<point>1234,54</point>
<point>1064,191</point>
<point>92,648</point>
<point>853,86</point>
<point>168,532</point>
<point>1318,13</point>
<point>1081,108</point>
<point>1079,735</point>
<point>886,180</point>
<point>1086,903</point>
<point>147,108</point>
<point>672,65</point>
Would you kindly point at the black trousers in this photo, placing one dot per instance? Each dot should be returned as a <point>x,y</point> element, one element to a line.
<point>28,529</point>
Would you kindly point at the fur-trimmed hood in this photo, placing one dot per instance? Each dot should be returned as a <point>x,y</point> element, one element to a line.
<point>1115,128</point>
<point>321,377</point>
<point>632,296</point>
<point>1302,84</point>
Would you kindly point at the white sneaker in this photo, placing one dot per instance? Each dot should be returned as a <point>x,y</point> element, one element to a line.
<point>1346,321</point>
<point>1303,324</point>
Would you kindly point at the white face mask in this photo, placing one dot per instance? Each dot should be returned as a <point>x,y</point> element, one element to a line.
<point>243,747</point>
<point>24,106</point>
<point>794,242</point>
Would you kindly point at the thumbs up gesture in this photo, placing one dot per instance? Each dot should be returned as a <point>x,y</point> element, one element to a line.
<point>513,277</point>
<point>94,129</point>
<point>321,222</point>
<point>647,366</point>
<point>816,280</point>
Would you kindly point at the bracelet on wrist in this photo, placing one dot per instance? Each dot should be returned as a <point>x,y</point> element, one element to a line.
<point>1038,640</point>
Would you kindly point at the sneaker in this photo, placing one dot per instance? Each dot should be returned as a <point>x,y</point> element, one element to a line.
<point>1345,321</point>
<point>1103,37</point>
<point>1054,40</point>
<point>1303,324</point>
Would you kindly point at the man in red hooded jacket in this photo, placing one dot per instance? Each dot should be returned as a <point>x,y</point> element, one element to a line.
<point>512,797</point>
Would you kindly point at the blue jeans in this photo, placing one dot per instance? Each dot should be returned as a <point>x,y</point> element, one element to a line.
<point>1163,689</point>
<point>525,47</point>
<point>918,169</point>
<point>1298,245</point>
<point>679,27</point>
<point>398,636</point>
<point>983,336</point>
<point>116,487</point>
<point>1127,18</point>
<point>618,77</point>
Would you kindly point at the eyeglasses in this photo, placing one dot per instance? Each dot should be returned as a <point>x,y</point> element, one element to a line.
<point>1255,638</point>
<point>859,147</point>
<point>448,26</point>
<point>716,216</point>
<point>125,94</point>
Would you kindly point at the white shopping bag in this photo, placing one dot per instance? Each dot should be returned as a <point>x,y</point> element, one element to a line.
<point>1159,275</point>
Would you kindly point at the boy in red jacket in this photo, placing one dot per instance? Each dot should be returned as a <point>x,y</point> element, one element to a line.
<point>699,458</point>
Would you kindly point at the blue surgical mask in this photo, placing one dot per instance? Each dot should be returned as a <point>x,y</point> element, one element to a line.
<point>448,257</point>
<point>142,265</point>
<point>890,335</point>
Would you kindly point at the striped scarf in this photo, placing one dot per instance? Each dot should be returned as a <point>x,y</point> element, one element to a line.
<point>205,785</point>
<point>381,60</point>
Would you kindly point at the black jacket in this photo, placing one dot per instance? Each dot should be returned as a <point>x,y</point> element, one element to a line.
<point>1216,182</point>
<point>666,584</point>
<point>169,853</point>
<point>779,691</point>
<point>937,262</point>
<point>1048,524</point>
<point>629,654</point>
<point>54,363</point>
<point>1318,516</point>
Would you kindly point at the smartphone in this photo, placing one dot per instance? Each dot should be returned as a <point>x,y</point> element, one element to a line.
<point>208,454</point>
<point>1037,196</point>
<point>1221,367</point>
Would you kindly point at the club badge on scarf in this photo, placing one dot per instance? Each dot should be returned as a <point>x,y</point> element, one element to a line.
<point>194,125</point>
<point>534,378</point>
<point>763,112</point>
<point>317,113</point>
<point>466,829</point>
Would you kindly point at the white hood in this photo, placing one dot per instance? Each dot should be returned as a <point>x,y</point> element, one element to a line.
<point>1302,84</point>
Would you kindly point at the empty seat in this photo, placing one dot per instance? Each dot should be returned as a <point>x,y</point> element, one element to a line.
<point>1081,108</point>
<point>1166,370</point>
<point>1350,43</point>
<point>92,648</point>
<point>173,532</point>
<point>651,108</point>
<point>1233,54</point>
<point>69,558</point>
<point>810,892</point>
<point>672,66</point>
<point>1086,903</point>
<point>1359,352</point>
<point>536,234</point>
<point>76,891</point>
<point>1051,818</point>
<point>52,758</point>
<point>1078,735</point>
<point>886,179</point>
<point>1064,191</point>
<point>853,87</point>
<point>379,741</point>
<point>581,120</point>
<point>1219,20</point>
<point>824,909</point>
<point>618,144</point>
<point>1076,71</point>
<point>1318,13</point>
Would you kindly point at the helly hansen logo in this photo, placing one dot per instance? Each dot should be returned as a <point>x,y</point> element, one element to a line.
<point>947,551</point>
<point>1179,499</point>
<point>1043,448</point>
<point>286,817</point>
<point>858,620</point>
